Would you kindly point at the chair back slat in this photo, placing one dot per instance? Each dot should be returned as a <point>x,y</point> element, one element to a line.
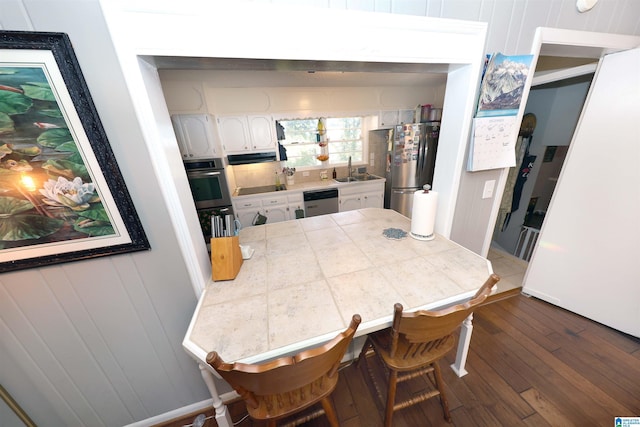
<point>432,328</point>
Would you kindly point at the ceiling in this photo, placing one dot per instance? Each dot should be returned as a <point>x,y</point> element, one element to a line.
<point>232,72</point>
<point>239,72</point>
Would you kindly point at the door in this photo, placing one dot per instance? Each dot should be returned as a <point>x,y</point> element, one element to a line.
<point>234,132</point>
<point>261,129</point>
<point>406,141</point>
<point>587,258</point>
<point>197,130</point>
<point>402,200</point>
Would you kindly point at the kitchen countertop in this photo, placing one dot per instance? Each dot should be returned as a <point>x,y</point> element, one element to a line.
<point>311,185</point>
<point>307,278</point>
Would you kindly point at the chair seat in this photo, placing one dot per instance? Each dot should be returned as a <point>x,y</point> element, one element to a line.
<point>278,406</point>
<point>409,357</point>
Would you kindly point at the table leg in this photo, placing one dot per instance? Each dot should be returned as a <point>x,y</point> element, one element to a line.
<point>223,418</point>
<point>463,347</point>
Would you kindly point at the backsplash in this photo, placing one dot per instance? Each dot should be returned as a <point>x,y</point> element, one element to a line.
<point>258,174</point>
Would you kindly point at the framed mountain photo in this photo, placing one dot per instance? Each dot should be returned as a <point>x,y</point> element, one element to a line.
<point>62,196</point>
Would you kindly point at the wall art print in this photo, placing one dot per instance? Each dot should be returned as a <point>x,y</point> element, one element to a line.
<point>62,196</point>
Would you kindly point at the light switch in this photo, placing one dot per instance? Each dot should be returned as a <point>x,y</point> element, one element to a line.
<point>487,193</point>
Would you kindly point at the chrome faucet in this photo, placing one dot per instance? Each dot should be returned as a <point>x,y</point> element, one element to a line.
<point>349,167</point>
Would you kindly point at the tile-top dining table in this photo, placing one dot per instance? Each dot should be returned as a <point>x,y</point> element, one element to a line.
<point>307,277</point>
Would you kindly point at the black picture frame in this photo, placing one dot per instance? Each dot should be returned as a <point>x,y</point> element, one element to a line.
<point>51,133</point>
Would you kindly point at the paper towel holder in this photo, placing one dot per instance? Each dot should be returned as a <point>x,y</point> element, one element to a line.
<point>417,236</point>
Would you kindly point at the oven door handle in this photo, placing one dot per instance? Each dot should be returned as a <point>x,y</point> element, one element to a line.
<point>198,174</point>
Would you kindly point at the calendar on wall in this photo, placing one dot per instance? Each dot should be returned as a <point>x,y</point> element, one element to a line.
<point>495,130</point>
<point>493,143</point>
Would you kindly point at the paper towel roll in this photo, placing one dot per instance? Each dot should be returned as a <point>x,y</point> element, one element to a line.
<point>423,215</point>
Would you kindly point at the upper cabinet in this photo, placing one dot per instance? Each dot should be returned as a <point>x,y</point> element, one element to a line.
<point>196,136</point>
<point>263,133</point>
<point>389,118</point>
<point>246,134</point>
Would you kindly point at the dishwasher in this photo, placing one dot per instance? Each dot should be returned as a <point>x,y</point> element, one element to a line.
<point>320,202</point>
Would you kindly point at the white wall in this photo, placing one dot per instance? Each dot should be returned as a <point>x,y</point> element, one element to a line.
<point>98,342</point>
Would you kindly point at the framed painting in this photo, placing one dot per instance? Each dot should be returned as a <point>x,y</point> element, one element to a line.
<point>62,196</point>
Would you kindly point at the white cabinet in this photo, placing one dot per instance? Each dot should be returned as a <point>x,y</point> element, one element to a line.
<point>350,202</point>
<point>234,133</point>
<point>361,195</point>
<point>391,118</point>
<point>373,199</point>
<point>407,116</point>
<point>246,134</point>
<point>263,133</point>
<point>277,207</point>
<point>196,136</point>
<point>245,210</point>
<point>388,118</point>
<point>295,203</point>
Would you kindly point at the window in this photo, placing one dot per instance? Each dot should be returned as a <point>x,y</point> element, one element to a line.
<point>343,133</point>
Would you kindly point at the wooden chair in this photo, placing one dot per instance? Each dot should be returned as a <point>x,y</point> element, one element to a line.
<point>413,345</point>
<point>289,385</point>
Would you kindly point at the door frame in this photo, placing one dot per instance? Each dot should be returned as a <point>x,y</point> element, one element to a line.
<point>561,43</point>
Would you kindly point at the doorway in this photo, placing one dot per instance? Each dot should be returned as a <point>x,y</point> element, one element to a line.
<point>554,106</point>
<point>552,111</point>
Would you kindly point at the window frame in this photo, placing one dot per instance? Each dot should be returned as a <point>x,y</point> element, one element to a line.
<point>368,121</point>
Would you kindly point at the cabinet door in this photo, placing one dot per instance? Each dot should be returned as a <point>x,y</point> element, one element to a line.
<point>196,136</point>
<point>245,210</point>
<point>291,210</point>
<point>246,216</point>
<point>262,131</point>
<point>350,202</point>
<point>373,200</point>
<point>407,116</point>
<point>388,118</point>
<point>234,132</point>
<point>277,213</point>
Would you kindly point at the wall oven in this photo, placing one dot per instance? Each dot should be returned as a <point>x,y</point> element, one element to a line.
<point>209,189</point>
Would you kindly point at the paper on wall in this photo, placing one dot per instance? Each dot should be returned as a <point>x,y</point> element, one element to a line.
<point>493,143</point>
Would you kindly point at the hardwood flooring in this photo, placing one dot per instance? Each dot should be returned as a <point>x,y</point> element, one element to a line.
<point>530,364</point>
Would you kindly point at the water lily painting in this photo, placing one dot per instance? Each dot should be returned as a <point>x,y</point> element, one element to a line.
<point>62,196</point>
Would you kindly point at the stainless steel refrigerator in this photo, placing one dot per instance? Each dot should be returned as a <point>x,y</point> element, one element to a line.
<point>406,156</point>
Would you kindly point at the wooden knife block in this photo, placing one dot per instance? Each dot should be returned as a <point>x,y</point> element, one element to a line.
<point>226,258</point>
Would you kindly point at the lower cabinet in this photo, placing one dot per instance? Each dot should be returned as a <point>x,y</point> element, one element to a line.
<point>373,199</point>
<point>282,206</point>
<point>359,195</point>
<point>275,207</point>
<point>246,209</point>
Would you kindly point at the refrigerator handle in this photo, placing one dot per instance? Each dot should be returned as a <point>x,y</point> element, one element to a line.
<point>422,156</point>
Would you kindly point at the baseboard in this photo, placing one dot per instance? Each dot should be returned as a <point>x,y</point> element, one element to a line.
<point>509,293</point>
<point>176,413</point>
<point>183,411</point>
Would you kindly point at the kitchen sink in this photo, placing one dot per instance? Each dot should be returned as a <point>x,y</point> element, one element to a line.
<point>346,179</point>
<point>358,178</point>
<point>367,177</point>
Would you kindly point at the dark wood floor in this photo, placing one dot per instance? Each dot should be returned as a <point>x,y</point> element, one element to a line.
<point>530,364</point>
